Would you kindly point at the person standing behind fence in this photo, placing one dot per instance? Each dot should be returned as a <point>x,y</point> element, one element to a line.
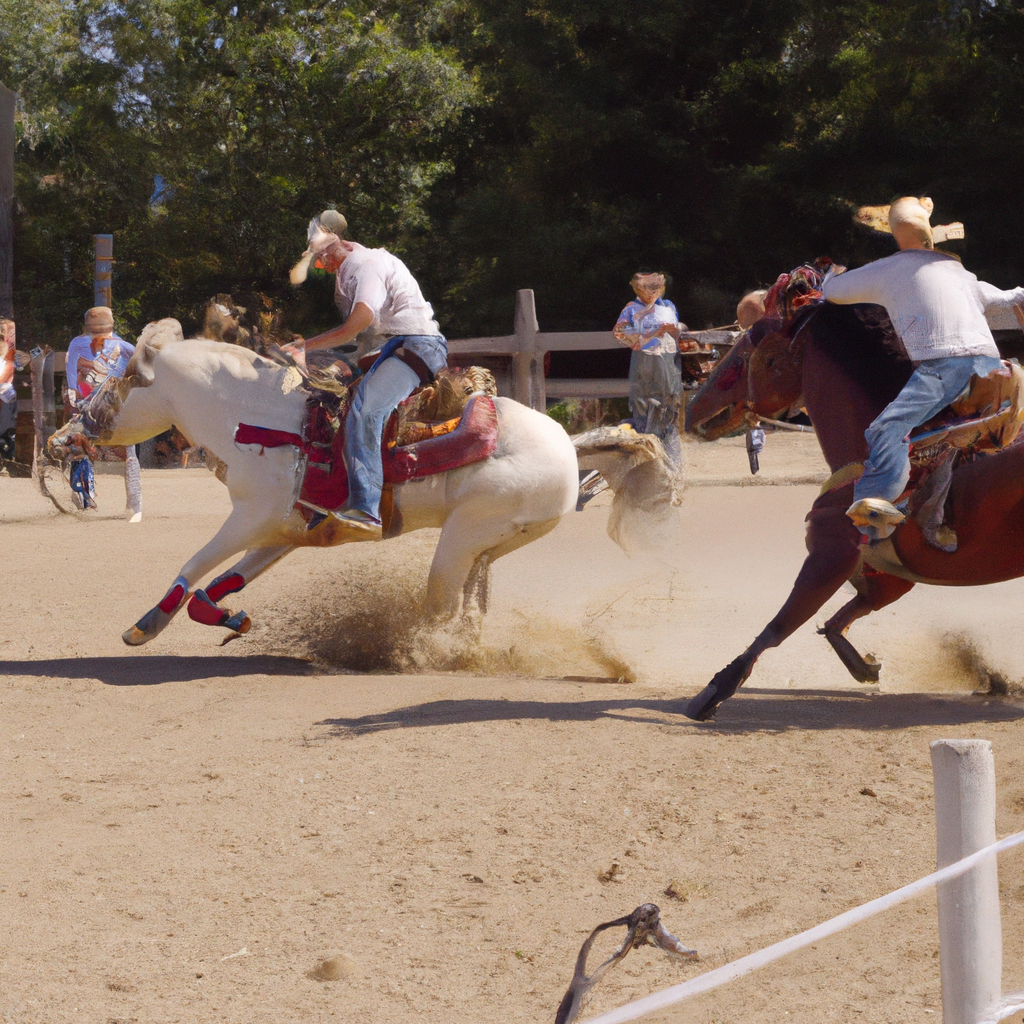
<point>97,353</point>
<point>650,326</point>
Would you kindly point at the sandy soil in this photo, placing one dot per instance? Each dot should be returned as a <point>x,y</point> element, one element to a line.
<point>188,831</point>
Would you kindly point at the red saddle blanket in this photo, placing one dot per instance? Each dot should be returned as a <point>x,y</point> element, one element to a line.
<point>326,481</point>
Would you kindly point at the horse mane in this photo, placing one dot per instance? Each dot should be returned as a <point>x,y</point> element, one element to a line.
<point>861,341</point>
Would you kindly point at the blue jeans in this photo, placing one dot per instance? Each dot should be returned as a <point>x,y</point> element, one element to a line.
<point>932,386</point>
<point>378,394</point>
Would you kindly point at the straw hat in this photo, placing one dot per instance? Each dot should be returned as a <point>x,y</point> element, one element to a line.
<point>641,282</point>
<point>98,320</point>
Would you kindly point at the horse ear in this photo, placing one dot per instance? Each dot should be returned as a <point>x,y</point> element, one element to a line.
<point>139,372</point>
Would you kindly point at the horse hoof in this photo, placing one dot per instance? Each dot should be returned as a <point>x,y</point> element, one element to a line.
<point>704,706</point>
<point>134,637</point>
<point>239,622</point>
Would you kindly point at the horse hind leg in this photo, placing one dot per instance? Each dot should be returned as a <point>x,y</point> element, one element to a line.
<point>464,554</point>
<point>204,606</point>
<point>874,591</point>
<point>476,593</point>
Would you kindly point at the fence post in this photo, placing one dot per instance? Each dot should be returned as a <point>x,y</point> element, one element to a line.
<point>7,107</point>
<point>970,932</point>
<point>44,415</point>
<point>527,363</point>
<point>103,246</point>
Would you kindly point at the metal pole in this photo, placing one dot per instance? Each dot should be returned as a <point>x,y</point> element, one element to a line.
<point>970,931</point>
<point>104,248</point>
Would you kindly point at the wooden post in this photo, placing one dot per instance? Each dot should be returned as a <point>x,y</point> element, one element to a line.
<point>7,100</point>
<point>104,249</point>
<point>527,362</point>
<point>970,932</point>
<point>43,409</point>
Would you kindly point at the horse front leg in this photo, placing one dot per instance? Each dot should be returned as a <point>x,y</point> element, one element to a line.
<point>204,607</point>
<point>874,590</point>
<point>158,618</point>
<point>236,534</point>
<point>833,554</point>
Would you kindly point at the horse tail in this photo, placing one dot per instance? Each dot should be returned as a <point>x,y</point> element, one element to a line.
<point>645,482</point>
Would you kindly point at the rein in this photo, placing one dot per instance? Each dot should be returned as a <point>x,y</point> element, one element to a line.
<point>755,421</point>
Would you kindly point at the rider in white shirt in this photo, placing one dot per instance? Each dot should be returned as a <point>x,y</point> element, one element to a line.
<point>375,292</point>
<point>937,308</point>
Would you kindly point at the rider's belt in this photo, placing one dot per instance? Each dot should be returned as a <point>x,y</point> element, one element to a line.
<point>420,368</point>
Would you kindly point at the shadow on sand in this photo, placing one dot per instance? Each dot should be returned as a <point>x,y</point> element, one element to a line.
<point>152,670</point>
<point>750,711</point>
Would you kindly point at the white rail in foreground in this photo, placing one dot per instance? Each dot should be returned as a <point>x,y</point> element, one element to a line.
<point>747,964</point>
<point>967,781</point>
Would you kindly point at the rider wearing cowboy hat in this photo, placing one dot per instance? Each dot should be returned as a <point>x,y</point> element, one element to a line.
<point>373,290</point>
<point>937,308</point>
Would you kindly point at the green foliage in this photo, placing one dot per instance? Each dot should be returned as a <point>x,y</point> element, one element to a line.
<point>550,144</point>
<point>255,116</point>
<point>722,143</point>
<point>579,414</point>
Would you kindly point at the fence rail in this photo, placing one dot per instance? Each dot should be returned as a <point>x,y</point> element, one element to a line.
<point>522,378</point>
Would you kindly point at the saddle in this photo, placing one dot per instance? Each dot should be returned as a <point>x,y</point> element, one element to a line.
<point>986,418</point>
<point>448,424</point>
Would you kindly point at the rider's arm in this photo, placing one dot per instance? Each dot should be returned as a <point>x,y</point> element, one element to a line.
<point>993,296</point>
<point>358,320</point>
<point>860,285</point>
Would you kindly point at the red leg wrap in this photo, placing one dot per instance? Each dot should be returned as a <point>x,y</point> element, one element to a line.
<point>202,609</point>
<point>172,599</point>
<point>229,583</point>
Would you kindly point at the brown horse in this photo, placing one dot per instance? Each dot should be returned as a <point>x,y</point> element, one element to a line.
<point>843,364</point>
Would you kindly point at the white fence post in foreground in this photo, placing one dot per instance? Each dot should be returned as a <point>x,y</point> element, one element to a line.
<point>970,932</point>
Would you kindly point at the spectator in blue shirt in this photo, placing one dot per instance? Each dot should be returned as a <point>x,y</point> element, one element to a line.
<point>97,353</point>
<point>650,326</point>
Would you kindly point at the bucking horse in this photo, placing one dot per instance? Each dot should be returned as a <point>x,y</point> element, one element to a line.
<point>494,477</point>
<point>843,365</point>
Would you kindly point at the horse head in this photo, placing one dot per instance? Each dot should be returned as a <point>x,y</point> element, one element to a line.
<point>139,371</point>
<point>763,373</point>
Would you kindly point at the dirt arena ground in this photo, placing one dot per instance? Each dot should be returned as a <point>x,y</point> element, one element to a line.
<point>190,831</point>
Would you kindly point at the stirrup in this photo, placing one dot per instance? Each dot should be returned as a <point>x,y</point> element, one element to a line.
<point>370,526</point>
<point>877,514</point>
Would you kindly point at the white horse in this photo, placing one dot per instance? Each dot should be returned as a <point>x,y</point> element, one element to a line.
<point>485,510</point>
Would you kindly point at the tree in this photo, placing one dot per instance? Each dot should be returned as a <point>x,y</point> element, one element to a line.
<point>248,117</point>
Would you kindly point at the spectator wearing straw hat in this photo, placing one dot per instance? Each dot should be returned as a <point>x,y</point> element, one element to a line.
<point>93,356</point>
<point>650,326</point>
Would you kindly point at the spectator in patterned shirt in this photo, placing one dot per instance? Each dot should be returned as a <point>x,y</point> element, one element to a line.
<point>97,353</point>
